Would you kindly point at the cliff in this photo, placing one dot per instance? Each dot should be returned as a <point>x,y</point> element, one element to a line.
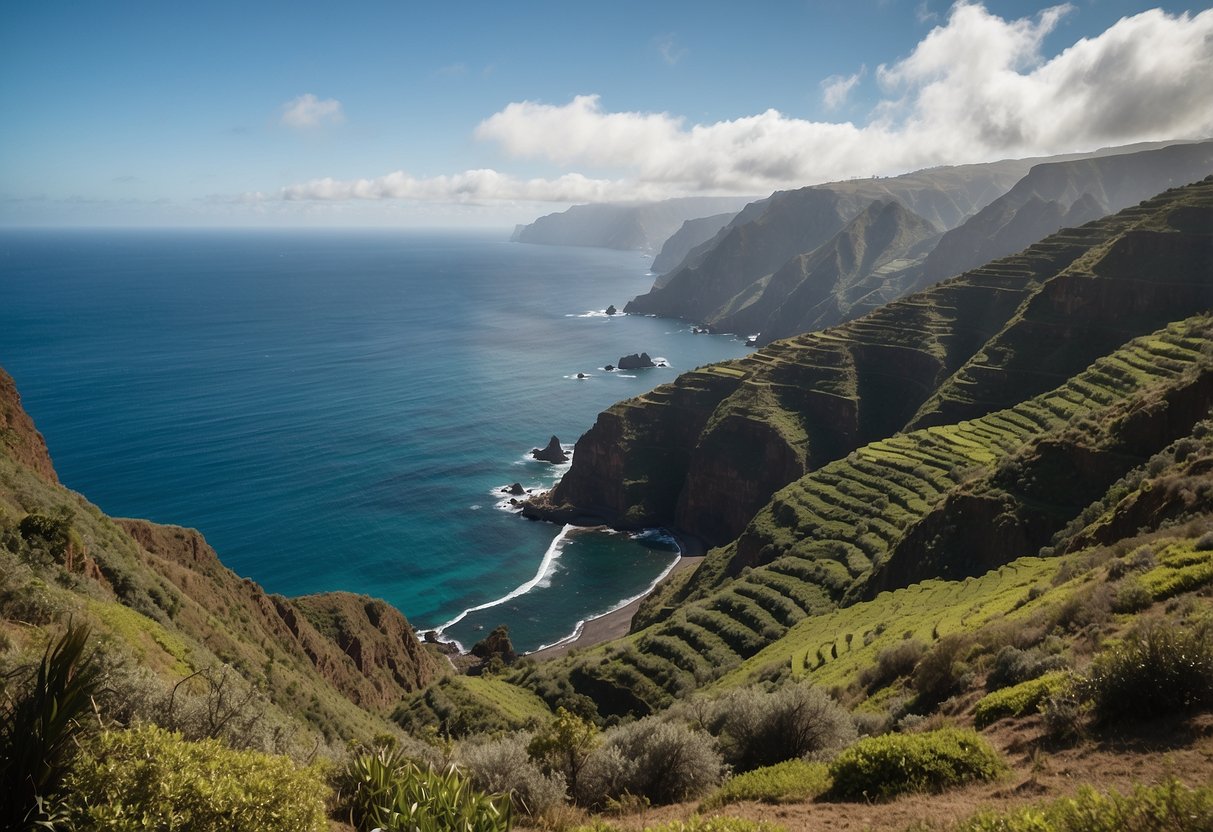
<point>1061,194</point>
<point>640,226</point>
<point>739,280</point>
<point>684,455</point>
<point>19,439</point>
<point>690,236</point>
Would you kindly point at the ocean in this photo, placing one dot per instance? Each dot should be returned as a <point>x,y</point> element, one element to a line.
<point>339,410</point>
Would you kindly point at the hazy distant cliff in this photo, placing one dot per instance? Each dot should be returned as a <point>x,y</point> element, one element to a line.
<point>640,226</point>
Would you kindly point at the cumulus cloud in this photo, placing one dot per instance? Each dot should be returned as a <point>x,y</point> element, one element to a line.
<point>975,88</point>
<point>308,111</point>
<point>836,88</point>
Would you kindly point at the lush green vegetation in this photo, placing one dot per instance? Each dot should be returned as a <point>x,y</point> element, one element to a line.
<point>878,768</point>
<point>1019,700</point>
<point>792,781</point>
<point>383,789</point>
<point>1170,806</point>
<point>1161,669</point>
<point>148,778</point>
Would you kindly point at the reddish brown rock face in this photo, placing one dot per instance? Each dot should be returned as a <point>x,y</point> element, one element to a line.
<point>21,440</point>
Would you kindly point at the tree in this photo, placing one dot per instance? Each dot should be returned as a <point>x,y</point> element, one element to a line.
<point>564,745</point>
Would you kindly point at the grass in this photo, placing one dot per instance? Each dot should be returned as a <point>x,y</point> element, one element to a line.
<point>519,705</point>
<point>793,781</point>
<point>1019,700</point>
<point>155,646</point>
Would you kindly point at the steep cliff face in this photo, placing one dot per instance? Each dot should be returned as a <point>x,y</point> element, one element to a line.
<point>682,242</point>
<point>791,222</point>
<point>360,646</point>
<point>642,226</point>
<point>819,289</point>
<point>1159,267</point>
<point>1056,195</point>
<point>19,439</point>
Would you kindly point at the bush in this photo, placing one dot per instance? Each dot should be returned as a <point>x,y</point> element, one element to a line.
<point>942,672</point>
<point>504,767</point>
<point>563,746</point>
<point>1019,700</point>
<point>1160,670</point>
<point>878,768</point>
<point>383,789</point>
<point>892,663</point>
<point>793,781</point>
<point>1064,717</point>
<point>758,729</point>
<point>663,761</point>
<point>1170,805</point>
<point>1012,666</point>
<point>1131,596</point>
<point>149,778</point>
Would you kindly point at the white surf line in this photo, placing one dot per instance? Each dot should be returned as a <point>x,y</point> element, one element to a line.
<point>549,558</point>
<point>577,630</point>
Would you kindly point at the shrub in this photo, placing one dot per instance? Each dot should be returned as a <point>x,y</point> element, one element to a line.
<point>1019,700</point>
<point>892,663</point>
<point>383,789</point>
<point>1131,596</point>
<point>563,746</point>
<point>1012,666</point>
<point>663,761</point>
<point>760,729</point>
<point>793,781</point>
<point>1064,717</point>
<point>503,766</point>
<point>878,768</point>
<point>1170,805</point>
<point>149,778</point>
<point>1162,669</point>
<point>942,672</point>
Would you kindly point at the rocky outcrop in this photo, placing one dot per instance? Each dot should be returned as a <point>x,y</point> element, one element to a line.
<point>496,644</point>
<point>635,361</point>
<point>552,452</point>
<point>19,438</point>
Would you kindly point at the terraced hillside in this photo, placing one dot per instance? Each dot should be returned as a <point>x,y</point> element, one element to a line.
<point>858,523</point>
<point>705,453</point>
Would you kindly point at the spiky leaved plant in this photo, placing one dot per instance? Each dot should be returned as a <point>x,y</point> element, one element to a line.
<point>39,727</point>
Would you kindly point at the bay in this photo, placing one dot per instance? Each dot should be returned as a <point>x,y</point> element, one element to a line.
<point>339,410</point>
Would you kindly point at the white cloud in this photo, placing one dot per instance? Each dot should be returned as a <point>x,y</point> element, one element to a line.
<point>975,88</point>
<point>472,186</point>
<point>836,88</point>
<point>308,111</point>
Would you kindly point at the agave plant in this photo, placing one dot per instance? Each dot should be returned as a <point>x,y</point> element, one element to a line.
<point>38,731</point>
<point>386,791</point>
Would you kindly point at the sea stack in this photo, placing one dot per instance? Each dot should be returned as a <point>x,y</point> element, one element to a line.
<point>611,310</point>
<point>635,362</point>
<point>552,453</point>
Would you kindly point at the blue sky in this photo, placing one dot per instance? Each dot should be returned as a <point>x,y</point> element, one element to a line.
<point>404,113</point>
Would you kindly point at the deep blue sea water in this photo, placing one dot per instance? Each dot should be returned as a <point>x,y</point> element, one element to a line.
<point>337,410</point>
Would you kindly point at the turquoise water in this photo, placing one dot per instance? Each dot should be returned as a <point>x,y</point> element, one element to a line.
<point>338,410</point>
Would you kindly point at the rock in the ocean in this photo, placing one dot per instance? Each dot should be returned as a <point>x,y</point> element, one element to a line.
<point>552,453</point>
<point>515,489</point>
<point>636,362</point>
<point>581,375</point>
<point>610,368</point>
<point>611,310</point>
<point>496,643</point>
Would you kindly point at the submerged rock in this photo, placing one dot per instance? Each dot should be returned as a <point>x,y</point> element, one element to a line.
<point>636,362</point>
<point>552,453</point>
